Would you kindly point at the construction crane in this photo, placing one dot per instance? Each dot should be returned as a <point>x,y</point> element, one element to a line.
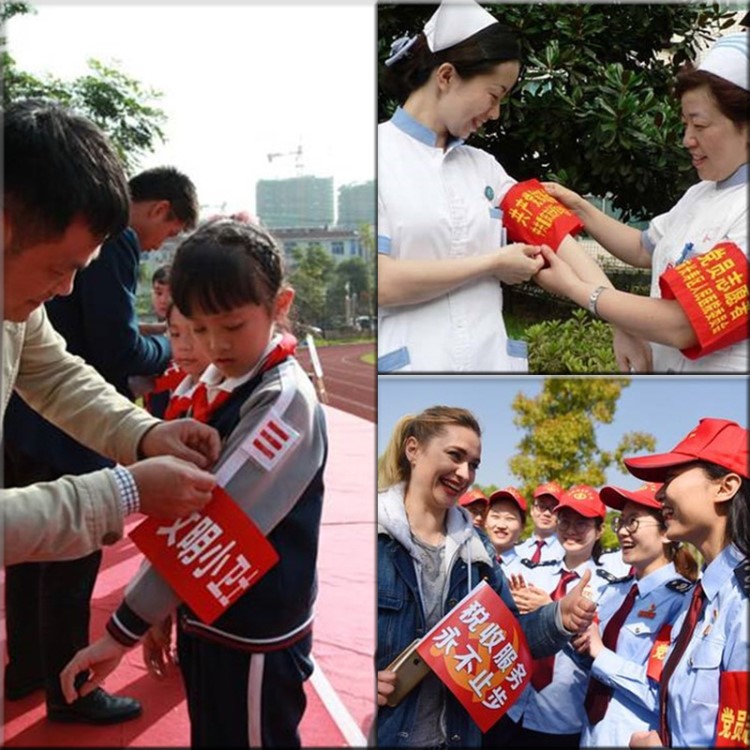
<point>297,153</point>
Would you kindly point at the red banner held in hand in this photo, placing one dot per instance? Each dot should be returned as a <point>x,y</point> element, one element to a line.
<point>209,558</point>
<point>533,216</point>
<point>712,290</point>
<point>479,652</point>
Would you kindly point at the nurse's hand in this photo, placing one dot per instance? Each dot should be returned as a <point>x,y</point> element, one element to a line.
<point>567,197</point>
<point>386,685</point>
<point>517,263</point>
<point>558,277</point>
<point>645,739</point>
<point>632,354</point>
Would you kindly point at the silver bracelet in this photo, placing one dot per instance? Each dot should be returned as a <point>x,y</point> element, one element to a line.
<point>593,298</point>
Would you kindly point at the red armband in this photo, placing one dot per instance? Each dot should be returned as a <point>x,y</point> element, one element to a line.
<point>533,216</point>
<point>731,720</point>
<point>659,653</point>
<point>712,290</point>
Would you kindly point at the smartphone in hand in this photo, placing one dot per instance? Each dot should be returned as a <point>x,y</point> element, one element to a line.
<point>410,670</point>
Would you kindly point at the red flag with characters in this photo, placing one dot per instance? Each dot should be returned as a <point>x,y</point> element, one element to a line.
<point>533,216</point>
<point>712,289</point>
<point>479,652</point>
<point>209,558</point>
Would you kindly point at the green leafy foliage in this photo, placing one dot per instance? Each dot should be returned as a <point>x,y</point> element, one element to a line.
<point>594,109</point>
<point>578,345</point>
<point>117,103</point>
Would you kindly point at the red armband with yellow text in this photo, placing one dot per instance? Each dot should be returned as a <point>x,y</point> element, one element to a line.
<point>659,653</point>
<point>712,291</point>
<point>731,720</point>
<point>533,216</point>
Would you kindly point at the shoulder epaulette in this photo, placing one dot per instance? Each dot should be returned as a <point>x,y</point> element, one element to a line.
<point>742,574</point>
<point>610,577</point>
<point>679,584</point>
<point>530,564</point>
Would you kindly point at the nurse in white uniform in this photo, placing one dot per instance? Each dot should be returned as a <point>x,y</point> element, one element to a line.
<point>694,325</point>
<point>442,252</point>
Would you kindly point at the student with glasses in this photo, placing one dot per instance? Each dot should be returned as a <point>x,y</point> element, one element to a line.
<point>551,712</point>
<point>635,617</point>
<point>543,544</point>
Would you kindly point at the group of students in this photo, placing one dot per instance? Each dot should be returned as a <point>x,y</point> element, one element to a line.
<point>657,656</point>
<point>453,225</point>
<point>244,673</point>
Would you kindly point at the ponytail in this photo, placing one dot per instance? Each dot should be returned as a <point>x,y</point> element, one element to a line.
<point>393,465</point>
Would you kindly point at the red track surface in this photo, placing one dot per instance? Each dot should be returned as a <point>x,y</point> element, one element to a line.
<point>349,382</point>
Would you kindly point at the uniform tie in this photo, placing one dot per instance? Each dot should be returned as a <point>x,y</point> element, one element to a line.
<point>688,626</point>
<point>543,668</point>
<point>598,694</point>
<point>537,556</point>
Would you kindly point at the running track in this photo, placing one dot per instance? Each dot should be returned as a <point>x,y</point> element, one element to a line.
<point>349,382</point>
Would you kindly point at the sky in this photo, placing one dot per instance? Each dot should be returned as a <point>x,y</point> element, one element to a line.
<point>667,407</point>
<point>239,81</point>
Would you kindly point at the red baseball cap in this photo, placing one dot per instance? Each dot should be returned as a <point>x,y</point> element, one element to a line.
<point>616,497</point>
<point>584,500</point>
<point>549,488</point>
<point>719,441</point>
<point>509,493</point>
<point>471,497</point>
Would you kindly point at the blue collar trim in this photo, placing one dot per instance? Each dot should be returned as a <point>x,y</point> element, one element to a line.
<point>405,122</point>
<point>738,177</point>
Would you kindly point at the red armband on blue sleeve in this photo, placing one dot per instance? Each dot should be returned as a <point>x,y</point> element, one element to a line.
<point>712,291</point>
<point>533,216</point>
<point>731,719</point>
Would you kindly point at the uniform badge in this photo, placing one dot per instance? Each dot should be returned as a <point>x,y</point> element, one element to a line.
<point>489,193</point>
<point>742,574</point>
<point>678,584</point>
<point>649,613</point>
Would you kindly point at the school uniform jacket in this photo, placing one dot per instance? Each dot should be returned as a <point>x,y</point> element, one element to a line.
<point>74,516</point>
<point>283,499</point>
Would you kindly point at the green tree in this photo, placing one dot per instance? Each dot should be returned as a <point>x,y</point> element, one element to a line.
<point>560,440</point>
<point>594,108</point>
<point>355,273</point>
<point>313,267</point>
<point>119,104</point>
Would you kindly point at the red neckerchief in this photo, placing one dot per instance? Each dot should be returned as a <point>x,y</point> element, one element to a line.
<point>169,379</point>
<point>202,410</point>
<point>177,407</point>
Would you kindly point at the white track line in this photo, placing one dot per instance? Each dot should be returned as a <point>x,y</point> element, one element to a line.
<point>335,707</point>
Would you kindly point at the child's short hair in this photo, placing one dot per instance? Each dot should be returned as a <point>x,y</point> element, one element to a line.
<point>161,275</point>
<point>225,264</point>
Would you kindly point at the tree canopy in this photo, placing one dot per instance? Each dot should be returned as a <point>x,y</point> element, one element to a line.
<point>120,105</point>
<point>595,108</point>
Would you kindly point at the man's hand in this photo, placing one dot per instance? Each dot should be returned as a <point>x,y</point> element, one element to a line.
<point>577,611</point>
<point>101,658</point>
<point>170,488</point>
<point>184,438</point>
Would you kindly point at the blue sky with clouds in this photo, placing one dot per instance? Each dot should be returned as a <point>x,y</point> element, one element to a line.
<point>666,406</point>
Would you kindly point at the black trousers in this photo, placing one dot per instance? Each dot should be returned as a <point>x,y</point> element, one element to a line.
<point>238,699</point>
<point>48,605</point>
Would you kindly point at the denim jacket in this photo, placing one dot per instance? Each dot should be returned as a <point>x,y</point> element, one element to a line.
<point>401,616</point>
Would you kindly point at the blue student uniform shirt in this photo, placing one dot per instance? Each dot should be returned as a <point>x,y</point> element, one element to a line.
<point>551,550</point>
<point>558,708</point>
<point>719,644</point>
<point>633,707</point>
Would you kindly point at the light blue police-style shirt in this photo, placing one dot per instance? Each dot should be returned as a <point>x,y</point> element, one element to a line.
<point>662,595</point>
<point>719,644</point>
<point>612,561</point>
<point>558,709</point>
<point>551,550</point>
<point>511,562</point>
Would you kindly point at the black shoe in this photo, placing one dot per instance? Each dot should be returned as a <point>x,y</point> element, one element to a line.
<point>98,707</point>
<point>16,690</point>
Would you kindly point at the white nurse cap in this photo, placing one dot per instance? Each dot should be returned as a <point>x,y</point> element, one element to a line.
<point>728,59</point>
<point>453,22</point>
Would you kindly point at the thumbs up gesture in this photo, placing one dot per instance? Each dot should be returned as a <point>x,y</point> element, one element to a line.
<point>576,609</point>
